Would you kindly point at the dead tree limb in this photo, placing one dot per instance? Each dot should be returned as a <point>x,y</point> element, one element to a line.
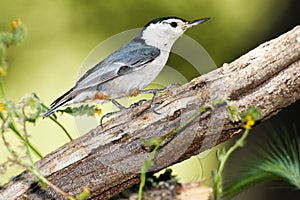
<point>108,160</point>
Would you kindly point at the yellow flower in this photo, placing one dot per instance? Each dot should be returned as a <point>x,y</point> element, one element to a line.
<point>3,71</point>
<point>2,107</point>
<point>15,24</point>
<point>86,190</point>
<point>84,194</point>
<point>249,122</point>
<point>98,111</point>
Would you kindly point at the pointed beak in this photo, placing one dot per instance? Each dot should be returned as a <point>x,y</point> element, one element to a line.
<point>197,22</point>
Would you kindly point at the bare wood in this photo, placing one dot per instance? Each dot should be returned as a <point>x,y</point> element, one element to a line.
<point>107,160</point>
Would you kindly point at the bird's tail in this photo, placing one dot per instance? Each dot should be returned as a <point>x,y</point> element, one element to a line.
<point>61,101</point>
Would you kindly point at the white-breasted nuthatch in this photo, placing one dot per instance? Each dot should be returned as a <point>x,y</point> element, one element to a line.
<point>129,69</point>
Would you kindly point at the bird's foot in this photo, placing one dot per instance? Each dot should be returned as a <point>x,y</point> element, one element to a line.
<point>155,93</point>
<point>121,108</point>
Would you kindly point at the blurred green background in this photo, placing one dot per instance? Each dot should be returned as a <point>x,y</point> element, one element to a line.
<point>60,34</point>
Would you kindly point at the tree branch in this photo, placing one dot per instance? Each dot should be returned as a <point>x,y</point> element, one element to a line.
<point>108,160</point>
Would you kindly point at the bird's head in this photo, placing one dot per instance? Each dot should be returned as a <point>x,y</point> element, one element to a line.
<point>163,32</point>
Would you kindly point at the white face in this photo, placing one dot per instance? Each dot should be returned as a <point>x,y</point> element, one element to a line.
<point>174,27</point>
<point>164,33</point>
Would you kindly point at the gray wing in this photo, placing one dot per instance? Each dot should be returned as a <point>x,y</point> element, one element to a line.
<point>127,59</point>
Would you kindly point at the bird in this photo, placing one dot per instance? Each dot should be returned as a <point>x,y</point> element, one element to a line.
<point>129,69</point>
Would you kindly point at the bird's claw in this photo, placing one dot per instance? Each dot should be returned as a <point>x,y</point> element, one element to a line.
<point>155,93</point>
<point>121,109</point>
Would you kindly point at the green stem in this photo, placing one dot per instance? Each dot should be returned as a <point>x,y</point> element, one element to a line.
<point>192,117</point>
<point>26,140</point>
<point>218,176</point>
<point>58,123</point>
<point>143,173</point>
<point>2,94</point>
<point>62,127</point>
<point>19,135</point>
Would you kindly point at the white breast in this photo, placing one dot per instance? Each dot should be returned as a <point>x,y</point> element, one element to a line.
<point>138,79</point>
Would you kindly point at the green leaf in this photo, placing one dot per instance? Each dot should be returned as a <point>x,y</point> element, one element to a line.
<point>80,111</point>
<point>277,159</point>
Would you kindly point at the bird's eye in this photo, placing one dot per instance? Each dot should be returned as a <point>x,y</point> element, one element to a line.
<point>173,24</point>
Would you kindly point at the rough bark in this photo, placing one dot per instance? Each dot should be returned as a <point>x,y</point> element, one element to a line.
<point>107,160</point>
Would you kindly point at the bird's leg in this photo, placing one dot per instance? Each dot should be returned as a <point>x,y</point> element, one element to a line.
<point>118,105</point>
<point>121,109</point>
<point>107,115</point>
<point>155,93</point>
